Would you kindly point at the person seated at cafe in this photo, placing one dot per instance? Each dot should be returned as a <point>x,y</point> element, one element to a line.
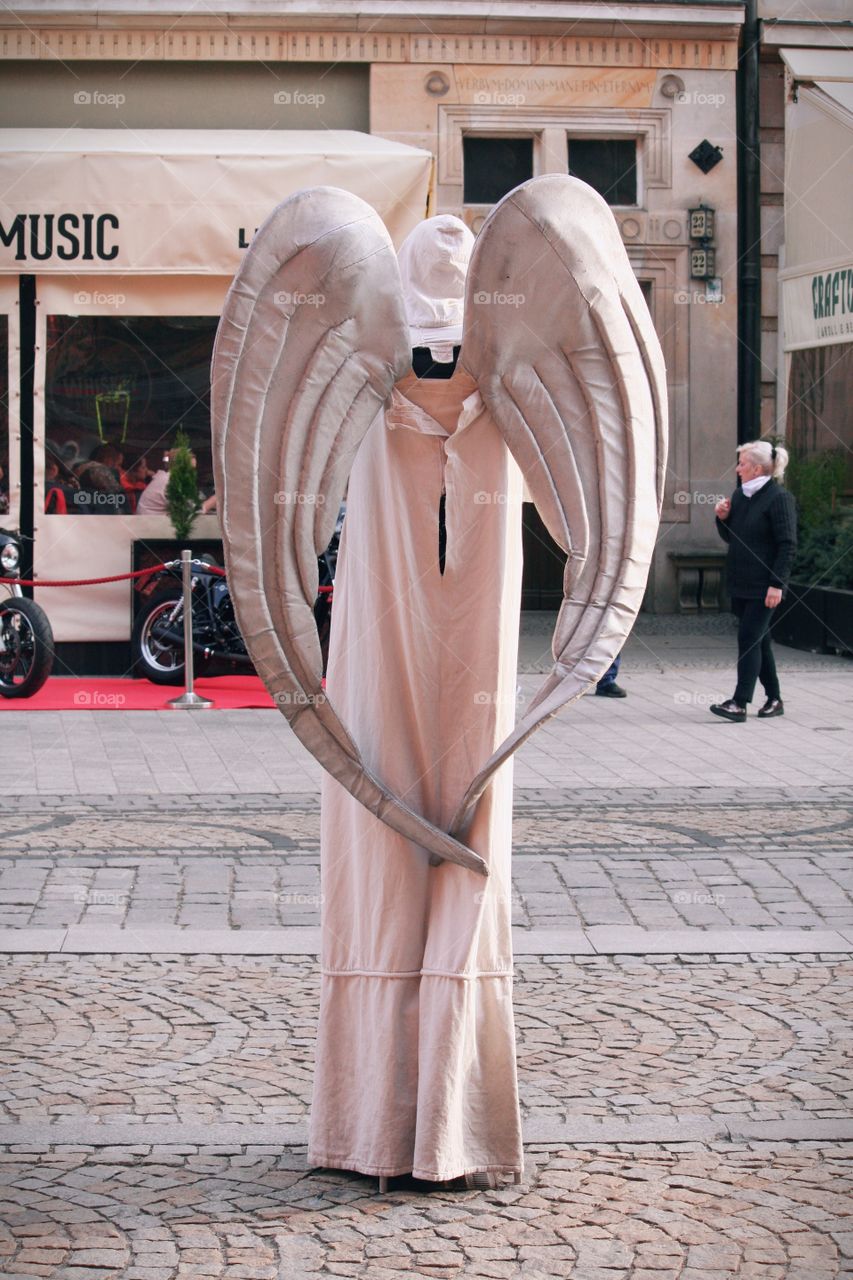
<point>109,455</point>
<point>55,499</point>
<point>60,482</point>
<point>100,492</point>
<point>152,501</point>
<point>135,480</point>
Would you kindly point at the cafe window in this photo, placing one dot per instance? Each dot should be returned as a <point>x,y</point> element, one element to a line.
<point>494,166</point>
<point>607,164</point>
<point>4,415</point>
<point>118,389</point>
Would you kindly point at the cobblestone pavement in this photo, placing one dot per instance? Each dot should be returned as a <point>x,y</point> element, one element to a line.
<point>650,1212</point>
<point>686,1113</point>
<point>211,1039</point>
<point>252,862</point>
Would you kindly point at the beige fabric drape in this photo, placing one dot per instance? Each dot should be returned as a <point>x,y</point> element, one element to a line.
<point>415,1064</point>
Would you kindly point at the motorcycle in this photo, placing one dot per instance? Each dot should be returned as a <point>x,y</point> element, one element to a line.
<point>26,637</point>
<point>157,643</point>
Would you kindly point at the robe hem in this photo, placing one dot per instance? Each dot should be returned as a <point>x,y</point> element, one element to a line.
<point>417,973</point>
<point>399,1171</point>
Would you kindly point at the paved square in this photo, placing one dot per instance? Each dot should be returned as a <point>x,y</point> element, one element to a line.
<point>683,930</point>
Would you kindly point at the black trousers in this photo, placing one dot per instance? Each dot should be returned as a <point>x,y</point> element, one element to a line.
<point>755,659</point>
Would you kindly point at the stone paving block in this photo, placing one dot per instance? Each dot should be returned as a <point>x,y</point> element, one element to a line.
<point>31,939</point>
<point>627,939</point>
<point>81,939</point>
<point>552,941</point>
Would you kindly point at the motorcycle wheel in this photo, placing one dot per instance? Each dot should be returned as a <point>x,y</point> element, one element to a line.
<point>159,658</point>
<point>26,647</point>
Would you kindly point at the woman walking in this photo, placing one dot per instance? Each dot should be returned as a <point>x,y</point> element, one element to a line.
<point>759,524</point>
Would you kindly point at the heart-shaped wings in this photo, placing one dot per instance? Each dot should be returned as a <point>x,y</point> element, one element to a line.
<point>313,337</point>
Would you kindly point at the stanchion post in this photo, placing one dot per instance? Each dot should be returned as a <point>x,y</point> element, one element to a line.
<point>189,700</point>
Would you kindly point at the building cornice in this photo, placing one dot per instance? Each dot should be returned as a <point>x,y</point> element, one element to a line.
<point>800,32</point>
<point>667,34</point>
<point>719,19</point>
<point>683,51</point>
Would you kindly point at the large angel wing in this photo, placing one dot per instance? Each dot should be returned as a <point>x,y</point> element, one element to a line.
<point>559,337</point>
<point>309,346</point>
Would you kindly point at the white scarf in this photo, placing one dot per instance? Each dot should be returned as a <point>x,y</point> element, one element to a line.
<point>752,486</point>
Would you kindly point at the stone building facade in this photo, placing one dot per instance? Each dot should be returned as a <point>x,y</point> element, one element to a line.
<point>639,99</point>
<point>806,372</point>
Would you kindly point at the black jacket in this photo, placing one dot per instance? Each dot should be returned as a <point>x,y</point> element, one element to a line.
<point>762,535</point>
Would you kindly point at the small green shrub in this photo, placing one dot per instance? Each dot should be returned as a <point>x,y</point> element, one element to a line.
<point>182,495</point>
<point>838,567</point>
<point>816,482</point>
<point>824,554</point>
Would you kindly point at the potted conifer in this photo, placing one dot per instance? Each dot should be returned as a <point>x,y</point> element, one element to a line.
<point>182,493</point>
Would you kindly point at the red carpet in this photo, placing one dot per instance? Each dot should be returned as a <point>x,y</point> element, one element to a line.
<point>65,693</point>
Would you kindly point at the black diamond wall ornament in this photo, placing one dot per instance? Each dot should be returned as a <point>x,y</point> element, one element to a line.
<point>706,155</point>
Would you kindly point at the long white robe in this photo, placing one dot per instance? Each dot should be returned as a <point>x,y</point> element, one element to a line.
<point>415,1069</point>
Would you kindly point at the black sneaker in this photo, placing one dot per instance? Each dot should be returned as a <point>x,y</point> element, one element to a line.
<point>772,707</point>
<point>612,690</point>
<point>729,710</point>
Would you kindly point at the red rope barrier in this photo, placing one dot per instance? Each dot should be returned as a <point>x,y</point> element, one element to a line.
<point>94,582</point>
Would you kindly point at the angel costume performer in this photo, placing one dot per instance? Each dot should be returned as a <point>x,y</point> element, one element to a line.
<point>417,960</point>
<point>560,377</point>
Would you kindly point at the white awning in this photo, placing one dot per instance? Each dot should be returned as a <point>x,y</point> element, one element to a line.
<point>181,200</point>
<point>841,93</point>
<point>817,64</point>
<point>817,283</point>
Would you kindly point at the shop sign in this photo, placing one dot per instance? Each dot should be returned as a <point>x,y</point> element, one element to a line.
<point>72,202</point>
<point>818,307</point>
<point>68,237</point>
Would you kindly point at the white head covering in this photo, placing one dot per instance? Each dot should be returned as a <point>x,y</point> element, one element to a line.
<point>433,264</point>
